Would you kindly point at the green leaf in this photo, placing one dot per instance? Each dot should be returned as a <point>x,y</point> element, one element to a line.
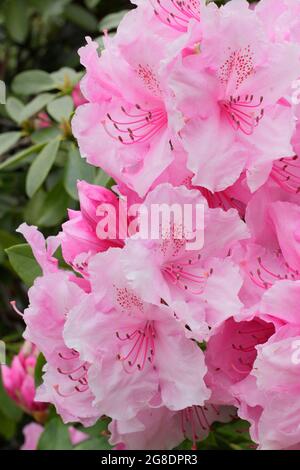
<point>32,82</point>
<point>23,262</point>
<point>8,239</point>
<point>65,76</point>
<point>61,108</point>
<point>36,105</point>
<point>96,443</point>
<point>7,427</point>
<point>8,140</point>
<point>34,208</point>
<point>55,207</point>
<point>50,8</point>
<point>41,166</point>
<point>12,162</point>
<point>38,371</point>
<point>103,179</point>
<point>81,17</point>
<point>7,406</point>
<point>234,435</point>
<point>97,429</point>
<point>92,3</point>
<point>55,436</point>
<point>77,169</point>
<point>14,108</point>
<point>112,21</point>
<point>16,20</point>
<point>43,136</point>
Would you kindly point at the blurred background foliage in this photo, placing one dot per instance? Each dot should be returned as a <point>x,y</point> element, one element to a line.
<point>39,167</point>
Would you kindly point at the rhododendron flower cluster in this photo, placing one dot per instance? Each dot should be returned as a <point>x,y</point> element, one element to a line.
<point>188,105</point>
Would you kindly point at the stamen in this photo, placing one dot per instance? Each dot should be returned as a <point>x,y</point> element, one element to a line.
<point>185,280</point>
<point>286,173</point>
<point>240,113</point>
<point>264,277</point>
<point>223,200</point>
<point>142,350</point>
<point>139,128</point>
<point>176,13</point>
<point>74,355</point>
<point>194,421</point>
<point>14,306</point>
<point>257,331</point>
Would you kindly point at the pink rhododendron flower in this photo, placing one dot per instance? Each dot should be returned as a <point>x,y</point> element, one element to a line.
<point>281,19</point>
<point>160,428</point>
<point>79,234</point>
<point>50,300</point>
<point>131,345</point>
<point>178,272</point>
<point>18,380</point>
<point>168,17</point>
<point>236,87</point>
<point>126,129</point>
<point>273,251</point>
<point>77,96</point>
<point>231,352</point>
<point>268,397</point>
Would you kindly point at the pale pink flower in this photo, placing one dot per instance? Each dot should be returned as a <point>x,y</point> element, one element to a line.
<point>273,251</point>
<point>176,270</point>
<point>65,383</point>
<point>161,429</point>
<point>236,197</point>
<point>232,91</point>
<point>168,17</point>
<point>43,250</point>
<point>269,395</point>
<point>139,353</point>
<point>51,299</point>
<point>281,19</point>
<point>32,433</point>
<point>128,128</point>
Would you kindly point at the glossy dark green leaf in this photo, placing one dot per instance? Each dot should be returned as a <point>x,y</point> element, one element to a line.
<point>23,262</point>
<point>7,406</point>
<point>100,443</point>
<point>41,166</point>
<point>55,207</point>
<point>38,371</point>
<point>77,169</point>
<point>12,162</point>
<point>55,436</point>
